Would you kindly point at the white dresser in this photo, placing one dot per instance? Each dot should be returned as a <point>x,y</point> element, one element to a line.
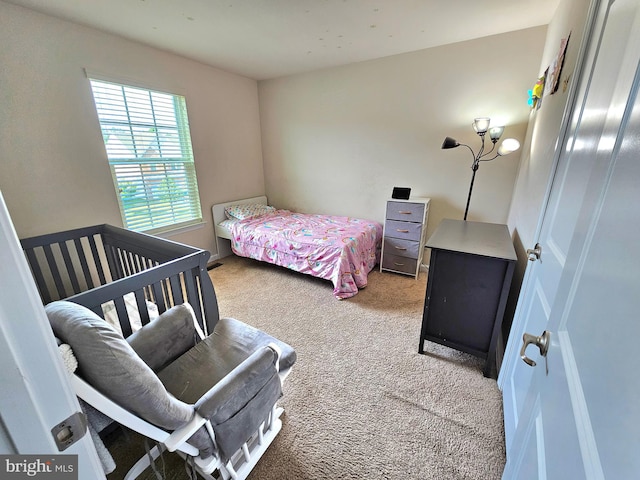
<point>405,231</point>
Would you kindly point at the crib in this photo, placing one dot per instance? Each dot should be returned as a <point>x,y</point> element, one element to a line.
<point>136,278</point>
<point>105,265</point>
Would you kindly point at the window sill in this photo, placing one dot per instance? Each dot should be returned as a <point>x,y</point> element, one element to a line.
<point>171,232</point>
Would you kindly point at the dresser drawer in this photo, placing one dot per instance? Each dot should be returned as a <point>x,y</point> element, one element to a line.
<point>405,211</point>
<point>401,247</point>
<point>405,230</point>
<point>399,264</point>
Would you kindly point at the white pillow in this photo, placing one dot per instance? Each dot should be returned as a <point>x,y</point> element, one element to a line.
<point>248,210</point>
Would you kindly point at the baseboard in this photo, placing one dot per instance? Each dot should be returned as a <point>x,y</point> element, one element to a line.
<point>213,262</point>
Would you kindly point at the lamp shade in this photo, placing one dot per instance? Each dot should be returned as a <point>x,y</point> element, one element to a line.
<point>508,145</point>
<point>495,133</point>
<point>481,125</point>
<point>450,143</point>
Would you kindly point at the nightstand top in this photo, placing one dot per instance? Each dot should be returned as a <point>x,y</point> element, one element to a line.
<point>478,238</point>
<point>411,199</point>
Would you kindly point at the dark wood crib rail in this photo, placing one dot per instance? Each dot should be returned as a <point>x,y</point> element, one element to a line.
<point>102,263</point>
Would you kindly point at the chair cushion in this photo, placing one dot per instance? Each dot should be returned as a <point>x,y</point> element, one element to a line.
<point>235,341</point>
<point>195,373</point>
<point>164,339</point>
<point>108,363</point>
<point>230,344</point>
<point>238,403</point>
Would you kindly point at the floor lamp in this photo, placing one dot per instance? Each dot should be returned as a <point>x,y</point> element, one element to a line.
<point>481,126</point>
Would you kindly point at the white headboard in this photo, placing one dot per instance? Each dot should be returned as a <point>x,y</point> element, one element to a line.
<point>224,247</point>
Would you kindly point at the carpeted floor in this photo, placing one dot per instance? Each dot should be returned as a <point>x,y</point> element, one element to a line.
<point>360,403</point>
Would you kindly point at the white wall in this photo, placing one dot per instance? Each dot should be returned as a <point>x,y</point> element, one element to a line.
<point>540,150</point>
<point>55,173</point>
<point>338,140</point>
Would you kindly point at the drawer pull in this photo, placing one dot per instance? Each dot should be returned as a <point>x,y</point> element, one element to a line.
<point>399,248</point>
<point>402,231</point>
<point>405,212</point>
<point>398,264</point>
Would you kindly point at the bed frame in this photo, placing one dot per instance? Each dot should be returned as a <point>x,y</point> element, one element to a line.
<point>223,235</point>
<point>94,265</point>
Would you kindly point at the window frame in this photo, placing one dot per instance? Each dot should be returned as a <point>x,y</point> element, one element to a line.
<point>157,175</point>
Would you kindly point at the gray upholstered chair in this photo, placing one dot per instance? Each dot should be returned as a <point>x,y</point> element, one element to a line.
<point>212,399</point>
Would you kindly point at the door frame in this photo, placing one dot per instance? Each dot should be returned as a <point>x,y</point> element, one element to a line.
<point>36,394</point>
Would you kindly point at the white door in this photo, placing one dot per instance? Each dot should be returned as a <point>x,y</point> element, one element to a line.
<point>35,394</point>
<point>575,413</point>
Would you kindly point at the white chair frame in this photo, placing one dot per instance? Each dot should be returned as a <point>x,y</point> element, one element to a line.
<point>237,468</point>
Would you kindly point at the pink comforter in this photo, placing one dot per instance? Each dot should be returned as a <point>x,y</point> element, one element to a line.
<point>340,249</point>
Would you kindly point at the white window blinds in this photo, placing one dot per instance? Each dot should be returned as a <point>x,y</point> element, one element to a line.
<point>146,135</point>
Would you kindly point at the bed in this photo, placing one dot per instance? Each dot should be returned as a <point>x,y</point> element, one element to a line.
<point>342,250</point>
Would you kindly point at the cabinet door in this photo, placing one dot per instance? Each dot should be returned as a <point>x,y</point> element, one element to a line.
<point>464,298</point>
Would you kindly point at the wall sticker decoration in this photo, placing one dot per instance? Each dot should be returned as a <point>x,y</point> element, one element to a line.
<point>556,66</point>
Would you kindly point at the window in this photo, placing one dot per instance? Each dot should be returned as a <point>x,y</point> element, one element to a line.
<point>146,135</point>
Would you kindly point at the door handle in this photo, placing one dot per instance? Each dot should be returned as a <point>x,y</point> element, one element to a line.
<point>534,253</point>
<point>542,342</point>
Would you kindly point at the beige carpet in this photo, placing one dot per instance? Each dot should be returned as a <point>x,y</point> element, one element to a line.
<point>361,403</point>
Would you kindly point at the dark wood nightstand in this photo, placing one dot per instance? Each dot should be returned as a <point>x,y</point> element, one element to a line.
<point>470,275</point>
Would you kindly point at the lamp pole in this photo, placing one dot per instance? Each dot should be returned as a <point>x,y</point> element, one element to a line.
<point>474,167</point>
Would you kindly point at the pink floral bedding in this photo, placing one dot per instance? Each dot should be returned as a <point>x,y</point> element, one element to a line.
<point>340,249</point>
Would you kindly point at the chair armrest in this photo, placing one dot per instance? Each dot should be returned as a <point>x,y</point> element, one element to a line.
<point>242,384</point>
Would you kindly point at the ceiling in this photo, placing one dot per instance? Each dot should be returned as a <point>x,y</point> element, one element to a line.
<point>264,39</point>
